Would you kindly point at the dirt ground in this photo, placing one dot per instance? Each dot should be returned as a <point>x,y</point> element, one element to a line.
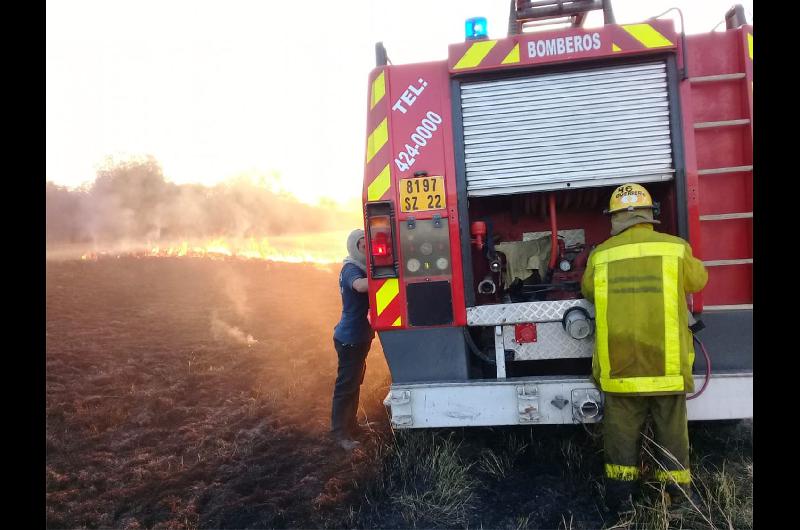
<point>161,413</point>
<point>195,393</point>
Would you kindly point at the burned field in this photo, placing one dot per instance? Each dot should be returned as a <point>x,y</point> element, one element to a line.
<point>195,393</point>
<point>161,412</point>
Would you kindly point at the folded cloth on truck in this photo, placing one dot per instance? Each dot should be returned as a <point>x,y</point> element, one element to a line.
<point>524,257</point>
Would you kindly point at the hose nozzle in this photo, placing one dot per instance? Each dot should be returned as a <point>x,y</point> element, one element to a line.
<point>487,286</point>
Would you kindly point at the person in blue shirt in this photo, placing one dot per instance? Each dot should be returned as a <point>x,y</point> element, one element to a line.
<point>352,338</point>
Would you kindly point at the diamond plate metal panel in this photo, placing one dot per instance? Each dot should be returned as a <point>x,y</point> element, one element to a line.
<point>547,311</point>
<point>552,342</point>
<point>571,237</point>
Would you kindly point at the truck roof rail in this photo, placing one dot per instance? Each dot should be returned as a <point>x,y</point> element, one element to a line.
<point>529,13</point>
<point>735,17</point>
<point>381,57</point>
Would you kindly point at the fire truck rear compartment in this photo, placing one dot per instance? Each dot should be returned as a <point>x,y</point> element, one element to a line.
<point>514,222</point>
<point>534,293</point>
<point>447,354</point>
<point>542,152</point>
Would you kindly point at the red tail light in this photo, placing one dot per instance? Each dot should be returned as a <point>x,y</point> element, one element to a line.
<point>380,239</point>
<point>380,231</point>
<point>379,249</point>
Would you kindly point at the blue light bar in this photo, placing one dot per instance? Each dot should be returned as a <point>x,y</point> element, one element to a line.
<point>475,28</point>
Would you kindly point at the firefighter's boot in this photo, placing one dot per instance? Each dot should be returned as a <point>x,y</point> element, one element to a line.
<point>683,496</point>
<point>619,496</point>
<point>347,444</point>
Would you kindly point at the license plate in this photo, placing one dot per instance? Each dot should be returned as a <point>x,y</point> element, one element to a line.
<point>420,194</point>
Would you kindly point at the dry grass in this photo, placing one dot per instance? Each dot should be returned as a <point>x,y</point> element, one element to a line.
<point>545,477</point>
<point>726,501</point>
<point>725,489</point>
<point>423,478</point>
<point>498,463</point>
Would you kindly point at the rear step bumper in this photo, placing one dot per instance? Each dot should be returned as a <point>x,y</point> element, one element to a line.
<point>544,400</point>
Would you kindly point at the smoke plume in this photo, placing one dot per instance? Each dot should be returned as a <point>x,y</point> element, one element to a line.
<point>235,290</point>
<point>131,202</point>
<point>224,332</point>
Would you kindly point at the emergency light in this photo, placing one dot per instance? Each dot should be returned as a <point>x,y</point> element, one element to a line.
<point>475,28</point>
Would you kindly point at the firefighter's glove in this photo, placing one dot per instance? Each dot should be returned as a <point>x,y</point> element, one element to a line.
<point>695,324</point>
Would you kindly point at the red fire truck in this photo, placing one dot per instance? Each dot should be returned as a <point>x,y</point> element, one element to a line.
<point>485,182</point>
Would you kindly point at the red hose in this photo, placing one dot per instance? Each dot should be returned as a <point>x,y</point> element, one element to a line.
<point>708,370</point>
<point>554,232</point>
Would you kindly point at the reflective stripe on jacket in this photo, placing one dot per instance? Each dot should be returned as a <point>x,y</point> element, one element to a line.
<point>638,281</point>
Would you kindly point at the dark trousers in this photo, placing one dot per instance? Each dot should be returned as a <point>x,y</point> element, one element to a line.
<point>623,421</point>
<point>352,365</point>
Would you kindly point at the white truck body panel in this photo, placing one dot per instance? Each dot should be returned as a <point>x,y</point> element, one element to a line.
<point>542,400</point>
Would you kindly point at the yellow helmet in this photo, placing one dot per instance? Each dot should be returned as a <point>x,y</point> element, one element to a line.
<point>629,197</point>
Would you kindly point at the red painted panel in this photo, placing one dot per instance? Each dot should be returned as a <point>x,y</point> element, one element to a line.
<point>722,147</point>
<point>729,284</point>
<point>414,92</point>
<point>718,101</point>
<point>372,169</point>
<point>713,53</point>
<point>692,182</point>
<point>726,193</point>
<point>427,87</point>
<point>727,239</point>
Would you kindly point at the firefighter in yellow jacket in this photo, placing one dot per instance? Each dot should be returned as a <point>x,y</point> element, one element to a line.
<point>638,280</point>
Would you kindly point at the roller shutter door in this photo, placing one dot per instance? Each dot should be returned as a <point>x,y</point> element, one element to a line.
<point>588,128</point>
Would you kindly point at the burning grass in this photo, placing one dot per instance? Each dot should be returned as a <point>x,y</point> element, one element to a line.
<point>195,393</point>
<point>322,248</point>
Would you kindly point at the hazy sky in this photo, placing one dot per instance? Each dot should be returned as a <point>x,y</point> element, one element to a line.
<point>217,89</point>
